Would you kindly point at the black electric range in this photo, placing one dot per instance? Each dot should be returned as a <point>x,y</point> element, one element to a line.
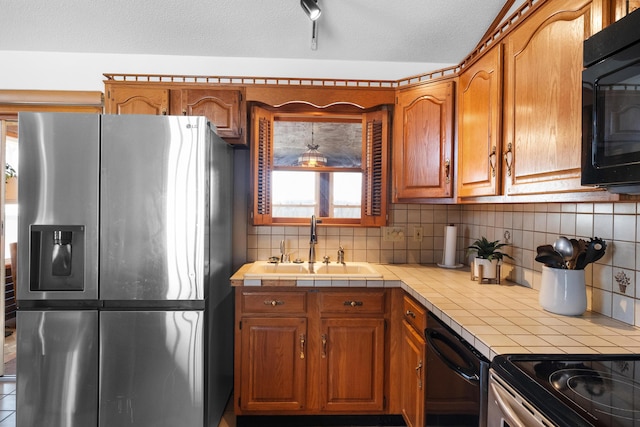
<point>577,390</point>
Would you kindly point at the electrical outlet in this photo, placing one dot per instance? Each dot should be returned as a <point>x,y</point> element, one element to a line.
<point>417,234</point>
<point>393,234</point>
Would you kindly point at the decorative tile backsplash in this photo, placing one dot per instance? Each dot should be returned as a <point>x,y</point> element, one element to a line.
<point>612,282</point>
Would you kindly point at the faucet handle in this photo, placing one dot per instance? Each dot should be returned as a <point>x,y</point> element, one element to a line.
<point>325,259</point>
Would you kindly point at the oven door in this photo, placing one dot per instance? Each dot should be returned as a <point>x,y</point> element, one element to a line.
<point>456,379</point>
<point>506,408</point>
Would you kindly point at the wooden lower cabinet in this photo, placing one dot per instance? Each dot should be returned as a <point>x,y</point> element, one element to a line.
<point>352,365</point>
<point>311,351</point>
<point>413,363</point>
<point>274,368</point>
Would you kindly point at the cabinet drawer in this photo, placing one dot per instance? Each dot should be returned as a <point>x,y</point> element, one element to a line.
<point>274,302</point>
<point>352,302</point>
<point>414,313</point>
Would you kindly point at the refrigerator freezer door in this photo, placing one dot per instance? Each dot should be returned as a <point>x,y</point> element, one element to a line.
<point>151,368</point>
<point>57,371</point>
<point>59,171</point>
<point>154,208</point>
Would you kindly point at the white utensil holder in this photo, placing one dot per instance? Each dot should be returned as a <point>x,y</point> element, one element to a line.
<point>563,291</point>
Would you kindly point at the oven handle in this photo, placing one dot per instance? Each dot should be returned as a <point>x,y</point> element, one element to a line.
<point>468,374</point>
<point>507,412</point>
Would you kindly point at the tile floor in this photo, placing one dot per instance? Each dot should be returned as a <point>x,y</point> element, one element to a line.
<point>8,384</point>
<point>8,401</point>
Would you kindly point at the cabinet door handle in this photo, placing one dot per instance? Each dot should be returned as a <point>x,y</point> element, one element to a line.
<point>302,342</point>
<point>273,303</point>
<point>447,170</point>
<point>508,158</point>
<point>410,313</point>
<point>419,374</point>
<point>324,346</point>
<point>354,303</point>
<point>492,161</point>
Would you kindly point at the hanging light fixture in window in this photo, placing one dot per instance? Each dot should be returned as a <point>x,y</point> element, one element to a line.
<point>312,157</point>
<point>313,11</point>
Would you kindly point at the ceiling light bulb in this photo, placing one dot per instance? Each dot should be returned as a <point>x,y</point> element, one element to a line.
<point>311,8</point>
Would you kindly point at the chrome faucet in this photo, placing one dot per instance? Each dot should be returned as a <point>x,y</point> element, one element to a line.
<point>340,255</point>
<point>284,256</point>
<point>313,240</point>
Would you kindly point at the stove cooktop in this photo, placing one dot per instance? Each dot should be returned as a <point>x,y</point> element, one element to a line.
<point>577,390</point>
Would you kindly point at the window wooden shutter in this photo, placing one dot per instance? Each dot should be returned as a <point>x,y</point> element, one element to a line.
<point>375,156</point>
<point>263,164</point>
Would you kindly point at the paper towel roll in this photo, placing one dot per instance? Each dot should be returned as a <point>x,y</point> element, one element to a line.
<point>449,251</point>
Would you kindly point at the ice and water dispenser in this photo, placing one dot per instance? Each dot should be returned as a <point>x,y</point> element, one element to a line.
<point>57,258</point>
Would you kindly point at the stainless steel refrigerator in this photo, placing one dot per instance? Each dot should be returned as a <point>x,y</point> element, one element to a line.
<point>124,253</point>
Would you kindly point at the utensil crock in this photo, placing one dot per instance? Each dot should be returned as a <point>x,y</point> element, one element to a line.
<point>563,291</point>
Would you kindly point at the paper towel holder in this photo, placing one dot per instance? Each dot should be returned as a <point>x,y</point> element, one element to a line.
<point>449,249</point>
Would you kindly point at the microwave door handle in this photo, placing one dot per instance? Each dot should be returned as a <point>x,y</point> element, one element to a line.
<point>466,374</point>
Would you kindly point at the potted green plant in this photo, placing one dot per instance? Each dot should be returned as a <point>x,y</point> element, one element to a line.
<point>488,254</point>
<point>11,184</point>
<point>9,172</point>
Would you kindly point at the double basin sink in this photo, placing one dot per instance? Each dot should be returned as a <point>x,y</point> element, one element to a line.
<point>356,270</point>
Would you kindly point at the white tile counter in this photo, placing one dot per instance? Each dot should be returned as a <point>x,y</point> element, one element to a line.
<point>496,319</point>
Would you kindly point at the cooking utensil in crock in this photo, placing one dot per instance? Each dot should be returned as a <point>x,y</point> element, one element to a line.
<point>571,264</point>
<point>595,250</point>
<point>549,257</point>
<point>564,247</point>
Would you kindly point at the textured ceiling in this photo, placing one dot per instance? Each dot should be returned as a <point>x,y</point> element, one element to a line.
<point>421,31</point>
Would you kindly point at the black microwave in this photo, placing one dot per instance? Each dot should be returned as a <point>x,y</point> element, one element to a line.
<point>611,107</point>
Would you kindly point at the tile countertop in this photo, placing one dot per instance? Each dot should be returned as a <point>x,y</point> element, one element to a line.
<point>495,319</point>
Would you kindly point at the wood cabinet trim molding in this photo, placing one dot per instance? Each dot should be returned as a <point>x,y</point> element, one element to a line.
<point>51,97</point>
<point>13,102</point>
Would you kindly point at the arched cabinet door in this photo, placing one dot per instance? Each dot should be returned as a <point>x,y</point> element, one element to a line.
<point>223,108</point>
<point>479,133</point>
<point>543,100</point>
<point>423,142</point>
<point>137,100</point>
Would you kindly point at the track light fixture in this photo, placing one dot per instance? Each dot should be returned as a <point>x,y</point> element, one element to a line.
<point>311,8</point>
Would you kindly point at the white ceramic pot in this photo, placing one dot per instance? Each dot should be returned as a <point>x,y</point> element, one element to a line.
<point>489,268</point>
<point>563,291</point>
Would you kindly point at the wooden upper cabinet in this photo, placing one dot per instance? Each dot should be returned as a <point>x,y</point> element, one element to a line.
<point>542,96</point>
<point>223,108</point>
<point>479,120</point>
<point>423,142</point>
<point>137,100</point>
<point>622,8</point>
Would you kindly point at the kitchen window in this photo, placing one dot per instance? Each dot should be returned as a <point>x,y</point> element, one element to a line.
<point>329,164</point>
